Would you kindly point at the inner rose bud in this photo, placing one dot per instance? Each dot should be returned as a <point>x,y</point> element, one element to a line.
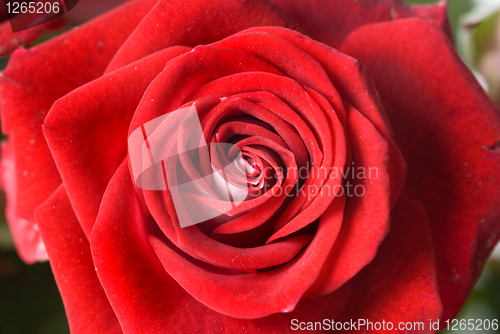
<point>171,152</point>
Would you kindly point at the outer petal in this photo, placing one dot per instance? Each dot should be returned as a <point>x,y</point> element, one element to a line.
<point>87,307</point>
<point>448,131</point>
<point>37,77</point>
<point>146,299</point>
<point>87,130</point>
<point>195,22</point>
<point>400,285</point>
<point>330,21</point>
<point>25,232</point>
<point>367,217</point>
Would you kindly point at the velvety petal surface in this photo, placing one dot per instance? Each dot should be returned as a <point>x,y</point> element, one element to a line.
<point>87,130</point>
<point>35,78</point>
<point>330,21</point>
<point>191,23</point>
<point>121,259</point>
<point>400,285</point>
<point>449,133</point>
<point>359,91</point>
<point>366,221</point>
<point>87,307</point>
<point>147,299</point>
<point>223,73</point>
<point>357,243</point>
<point>25,232</point>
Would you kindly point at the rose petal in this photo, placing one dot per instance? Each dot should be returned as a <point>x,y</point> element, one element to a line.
<point>359,91</point>
<point>367,213</point>
<point>288,58</point>
<point>185,74</point>
<point>37,77</point>
<point>67,62</point>
<point>196,22</point>
<point>446,128</point>
<point>146,299</point>
<point>305,114</point>
<point>87,308</point>
<point>88,137</point>
<point>195,243</point>
<point>268,108</point>
<point>330,21</point>
<point>35,173</point>
<point>25,232</point>
<point>205,281</point>
<point>399,286</point>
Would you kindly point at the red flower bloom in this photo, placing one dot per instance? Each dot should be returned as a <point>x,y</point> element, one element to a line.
<point>308,119</point>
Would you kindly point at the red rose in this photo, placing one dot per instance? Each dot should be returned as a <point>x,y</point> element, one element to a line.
<point>300,249</point>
